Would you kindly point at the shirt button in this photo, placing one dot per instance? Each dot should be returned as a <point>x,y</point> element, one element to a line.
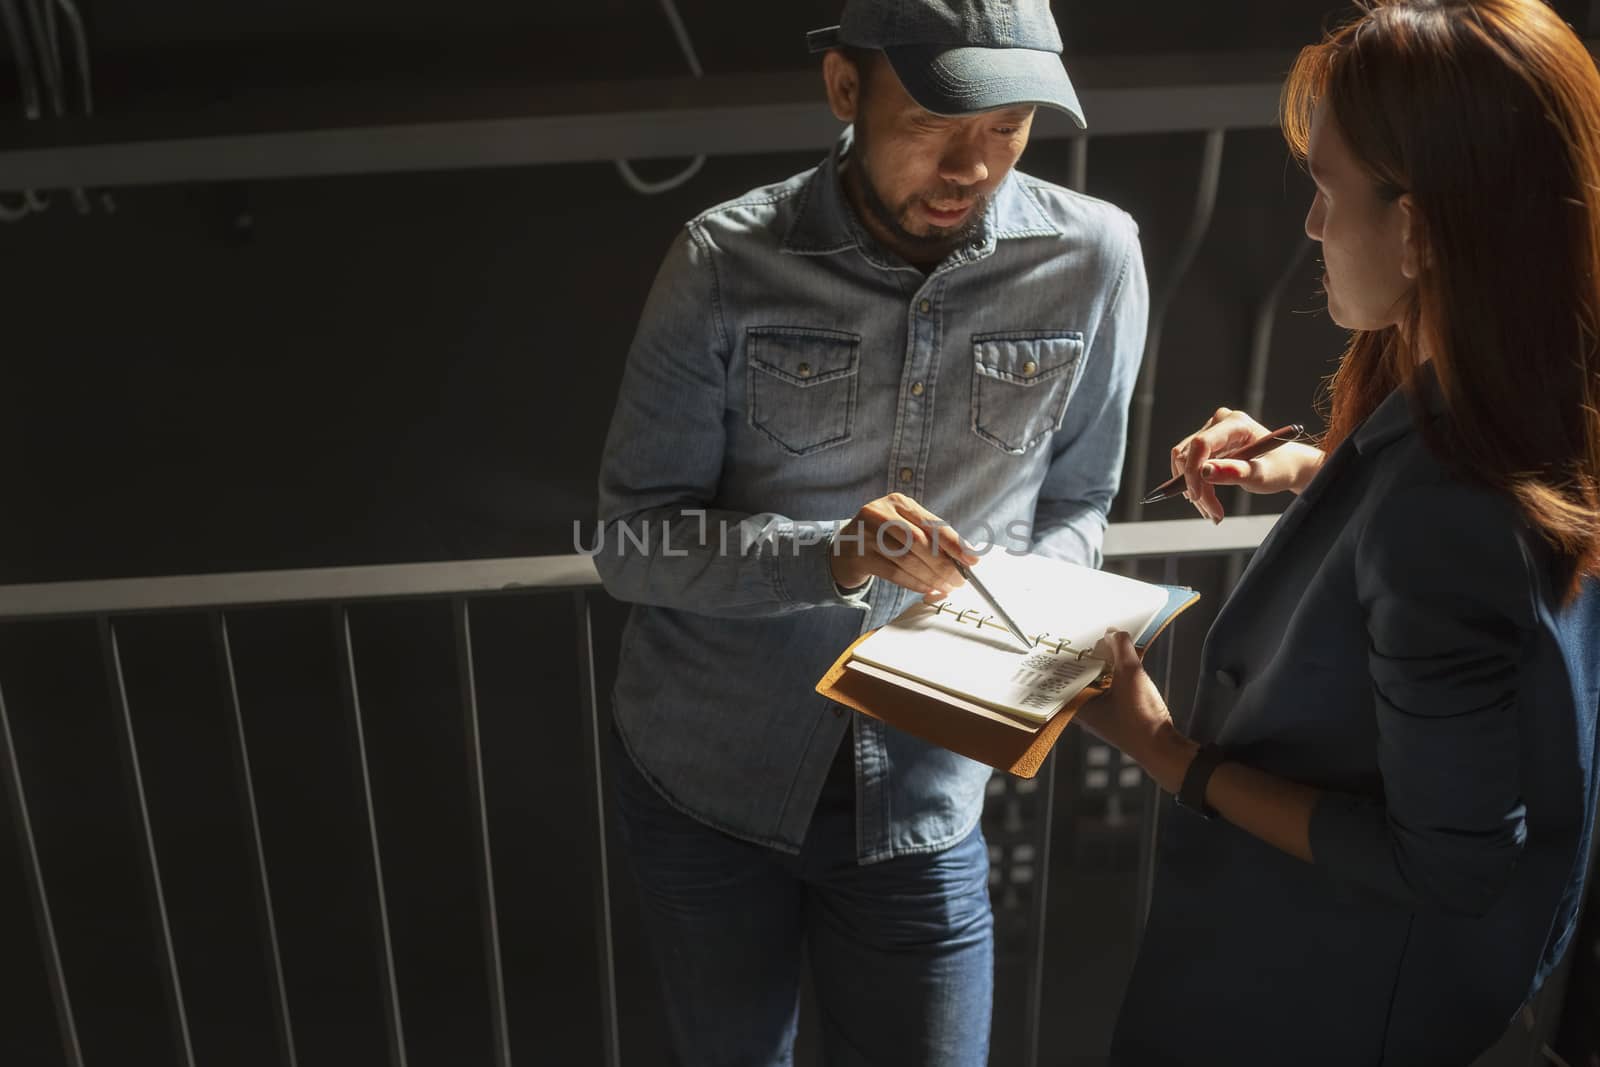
<point>916,389</point>
<point>905,475</point>
<point>805,370</point>
<point>925,307</point>
<point>1028,368</point>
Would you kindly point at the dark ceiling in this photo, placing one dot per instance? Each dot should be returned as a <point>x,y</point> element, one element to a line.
<point>165,55</point>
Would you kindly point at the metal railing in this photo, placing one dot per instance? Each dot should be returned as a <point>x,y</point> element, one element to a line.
<point>110,603</point>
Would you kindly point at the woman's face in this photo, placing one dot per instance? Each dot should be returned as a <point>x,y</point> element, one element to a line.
<point>1369,258</point>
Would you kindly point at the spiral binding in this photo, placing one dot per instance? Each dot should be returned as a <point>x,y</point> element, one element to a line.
<point>1056,645</point>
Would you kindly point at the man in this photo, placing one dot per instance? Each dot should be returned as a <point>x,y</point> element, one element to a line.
<point>826,371</point>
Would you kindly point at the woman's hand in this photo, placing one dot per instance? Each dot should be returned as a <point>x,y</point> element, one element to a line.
<point>1287,467</point>
<point>1133,718</point>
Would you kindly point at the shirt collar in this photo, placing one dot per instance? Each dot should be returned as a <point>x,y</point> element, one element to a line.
<point>1395,417</point>
<point>824,223</point>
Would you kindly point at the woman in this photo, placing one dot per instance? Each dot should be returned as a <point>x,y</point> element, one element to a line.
<point>1388,778</point>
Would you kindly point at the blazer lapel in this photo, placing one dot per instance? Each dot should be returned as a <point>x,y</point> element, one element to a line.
<point>1283,530</point>
<point>1391,420</point>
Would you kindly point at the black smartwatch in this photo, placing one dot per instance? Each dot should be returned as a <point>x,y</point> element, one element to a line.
<point>1192,794</point>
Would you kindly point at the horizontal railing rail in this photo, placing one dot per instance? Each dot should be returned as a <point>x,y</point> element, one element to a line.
<point>119,596</point>
<point>112,602</point>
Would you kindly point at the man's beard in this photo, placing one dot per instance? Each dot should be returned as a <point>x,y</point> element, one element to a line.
<point>939,240</point>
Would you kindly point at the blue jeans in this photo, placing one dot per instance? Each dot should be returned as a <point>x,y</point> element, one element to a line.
<point>901,952</point>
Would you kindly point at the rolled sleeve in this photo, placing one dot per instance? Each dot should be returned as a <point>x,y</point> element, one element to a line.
<point>1447,592</point>
<point>805,574</point>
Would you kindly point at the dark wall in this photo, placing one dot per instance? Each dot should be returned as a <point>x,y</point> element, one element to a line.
<point>416,367</point>
<point>406,367</point>
<point>184,51</point>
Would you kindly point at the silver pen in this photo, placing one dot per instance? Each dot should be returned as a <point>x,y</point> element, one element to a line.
<point>988,598</point>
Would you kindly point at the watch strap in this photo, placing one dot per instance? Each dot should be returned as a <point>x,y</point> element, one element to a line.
<point>1192,794</point>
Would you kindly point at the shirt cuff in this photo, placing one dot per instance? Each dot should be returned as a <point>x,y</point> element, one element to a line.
<point>805,576</point>
<point>858,594</point>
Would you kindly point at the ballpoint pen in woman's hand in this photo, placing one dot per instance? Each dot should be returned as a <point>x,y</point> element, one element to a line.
<point>1261,446</point>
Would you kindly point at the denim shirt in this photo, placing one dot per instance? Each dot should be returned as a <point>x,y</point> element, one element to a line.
<point>786,371</point>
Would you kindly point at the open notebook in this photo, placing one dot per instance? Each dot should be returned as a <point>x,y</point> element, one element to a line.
<point>952,674</point>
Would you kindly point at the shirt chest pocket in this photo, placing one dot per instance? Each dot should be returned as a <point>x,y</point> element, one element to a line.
<point>802,385</point>
<point>1021,383</point>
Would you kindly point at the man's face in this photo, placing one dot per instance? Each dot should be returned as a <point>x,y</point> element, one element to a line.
<point>923,180</point>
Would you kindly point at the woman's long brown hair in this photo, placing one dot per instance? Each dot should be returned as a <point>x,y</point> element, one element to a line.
<point>1488,114</point>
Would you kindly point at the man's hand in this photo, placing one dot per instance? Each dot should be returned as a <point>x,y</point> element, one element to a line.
<point>1287,467</point>
<point>902,542</point>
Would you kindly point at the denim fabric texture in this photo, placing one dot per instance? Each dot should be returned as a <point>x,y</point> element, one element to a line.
<point>786,371</point>
<point>901,953</point>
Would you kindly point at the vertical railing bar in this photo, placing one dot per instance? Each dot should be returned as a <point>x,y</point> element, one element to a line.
<point>1149,832</point>
<point>491,917</point>
<point>352,701</point>
<point>1046,805</point>
<point>241,753</point>
<point>1169,576</point>
<point>1255,391</point>
<point>1151,801</point>
<point>112,654</point>
<point>43,920</point>
<point>591,735</point>
<point>1143,406</point>
<point>1078,164</point>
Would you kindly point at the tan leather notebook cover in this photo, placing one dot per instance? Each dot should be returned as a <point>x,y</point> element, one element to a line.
<point>1000,746</point>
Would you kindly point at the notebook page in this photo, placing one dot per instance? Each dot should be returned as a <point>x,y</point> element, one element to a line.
<point>984,664</point>
<point>1063,601</point>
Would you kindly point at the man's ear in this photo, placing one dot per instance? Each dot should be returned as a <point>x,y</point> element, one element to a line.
<point>1414,254</point>
<point>843,81</point>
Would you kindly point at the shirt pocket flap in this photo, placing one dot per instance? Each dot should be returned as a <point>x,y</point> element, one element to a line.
<point>1026,358</point>
<point>803,356</point>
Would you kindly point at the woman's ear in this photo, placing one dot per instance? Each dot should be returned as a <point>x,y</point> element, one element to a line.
<point>843,81</point>
<point>1414,254</point>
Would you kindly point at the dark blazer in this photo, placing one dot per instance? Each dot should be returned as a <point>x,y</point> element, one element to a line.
<point>1397,642</point>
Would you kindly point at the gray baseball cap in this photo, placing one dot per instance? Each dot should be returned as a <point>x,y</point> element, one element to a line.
<point>958,57</point>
